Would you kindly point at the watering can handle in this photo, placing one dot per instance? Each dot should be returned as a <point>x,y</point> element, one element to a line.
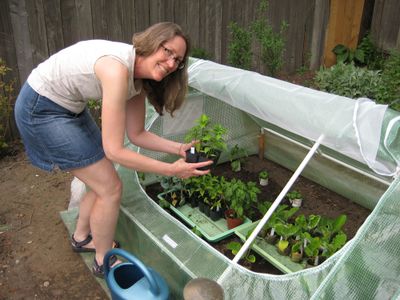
<point>131,258</point>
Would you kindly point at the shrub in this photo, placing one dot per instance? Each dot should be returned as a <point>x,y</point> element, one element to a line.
<point>349,81</point>
<point>239,49</point>
<point>200,53</point>
<point>6,106</point>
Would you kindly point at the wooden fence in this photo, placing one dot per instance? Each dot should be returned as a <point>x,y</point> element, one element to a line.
<point>32,30</point>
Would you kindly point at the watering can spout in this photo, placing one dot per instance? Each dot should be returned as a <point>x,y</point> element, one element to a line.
<point>133,279</point>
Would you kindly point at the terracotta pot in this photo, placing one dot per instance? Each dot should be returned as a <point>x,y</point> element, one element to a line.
<point>232,222</point>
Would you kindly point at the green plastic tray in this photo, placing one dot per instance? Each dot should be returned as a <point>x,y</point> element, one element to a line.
<point>269,251</point>
<point>213,231</point>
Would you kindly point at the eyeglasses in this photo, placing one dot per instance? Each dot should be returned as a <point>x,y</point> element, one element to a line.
<point>168,53</point>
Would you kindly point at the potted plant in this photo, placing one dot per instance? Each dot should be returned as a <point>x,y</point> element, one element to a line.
<point>312,247</point>
<point>263,177</point>
<point>296,252</point>
<point>239,197</point>
<point>237,156</point>
<point>216,196</point>
<point>285,231</point>
<point>210,141</point>
<point>295,198</point>
<point>235,247</point>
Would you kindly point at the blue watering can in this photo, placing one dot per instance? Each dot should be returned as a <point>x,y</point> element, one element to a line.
<point>132,279</point>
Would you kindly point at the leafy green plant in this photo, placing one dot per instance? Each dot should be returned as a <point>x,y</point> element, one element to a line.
<point>285,231</point>
<point>6,107</point>
<point>235,248</point>
<point>237,156</point>
<point>263,174</point>
<point>346,55</point>
<point>240,196</point>
<point>95,110</point>
<point>239,49</point>
<point>211,138</point>
<point>200,53</point>
<point>272,44</point>
<point>294,195</point>
<point>349,81</point>
<point>389,91</point>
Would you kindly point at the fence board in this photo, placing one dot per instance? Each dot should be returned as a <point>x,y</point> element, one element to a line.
<point>37,31</point>
<point>84,19</point>
<point>55,38</point>
<point>99,23</point>
<point>7,46</point>
<point>385,26</point>
<point>192,27</point>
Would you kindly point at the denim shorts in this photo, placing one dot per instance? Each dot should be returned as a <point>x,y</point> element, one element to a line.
<point>54,136</point>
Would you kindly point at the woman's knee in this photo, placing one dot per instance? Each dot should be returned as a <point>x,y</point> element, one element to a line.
<point>113,189</point>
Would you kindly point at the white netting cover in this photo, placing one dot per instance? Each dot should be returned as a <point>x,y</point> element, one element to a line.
<point>366,268</point>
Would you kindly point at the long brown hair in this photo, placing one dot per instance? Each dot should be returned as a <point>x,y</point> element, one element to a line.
<point>170,92</point>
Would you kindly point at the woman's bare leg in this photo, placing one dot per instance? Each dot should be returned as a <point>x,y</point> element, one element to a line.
<point>101,205</point>
<point>82,229</point>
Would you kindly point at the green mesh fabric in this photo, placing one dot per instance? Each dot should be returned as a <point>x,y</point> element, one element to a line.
<point>165,244</point>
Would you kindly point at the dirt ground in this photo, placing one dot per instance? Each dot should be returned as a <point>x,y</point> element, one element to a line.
<point>36,260</point>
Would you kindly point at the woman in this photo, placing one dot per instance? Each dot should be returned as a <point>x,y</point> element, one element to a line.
<point>58,131</point>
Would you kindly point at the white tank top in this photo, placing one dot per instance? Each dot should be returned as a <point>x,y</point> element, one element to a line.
<point>68,76</point>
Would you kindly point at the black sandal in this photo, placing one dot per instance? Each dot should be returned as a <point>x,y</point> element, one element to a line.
<point>98,270</point>
<point>79,246</point>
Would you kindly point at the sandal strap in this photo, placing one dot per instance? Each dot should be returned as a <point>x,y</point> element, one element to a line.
<point>100,268</point>
<point>81,243</point>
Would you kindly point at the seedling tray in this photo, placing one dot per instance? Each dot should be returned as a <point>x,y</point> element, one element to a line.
<point>213,231</point>
<point>269,251</point>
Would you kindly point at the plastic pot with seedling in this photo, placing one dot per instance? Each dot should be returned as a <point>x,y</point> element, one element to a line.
<point>295,198</point>
<point>263,177</point>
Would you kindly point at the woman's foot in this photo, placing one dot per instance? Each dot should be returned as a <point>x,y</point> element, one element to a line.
<point>98,270</point>
<point>87,244</point>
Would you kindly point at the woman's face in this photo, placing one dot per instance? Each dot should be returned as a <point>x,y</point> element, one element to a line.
<point>167,59</point>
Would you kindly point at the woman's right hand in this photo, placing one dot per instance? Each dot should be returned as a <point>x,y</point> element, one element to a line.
<point>183,170</point>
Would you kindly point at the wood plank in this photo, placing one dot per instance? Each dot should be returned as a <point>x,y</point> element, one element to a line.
<point>320,24</point>
<point>142,15</point>
<point>69,22</point>
<point>84,19</point>
<point>99,23</point>
<point>343,27</point>
<point>37,31</point>
<point>19,21</point>
<point>128,20</point>
<point>55,39</point>
<point>192,27</point>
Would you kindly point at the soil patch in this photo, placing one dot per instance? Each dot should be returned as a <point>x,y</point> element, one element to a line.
<point>36,260</point>
<point>317,200</point>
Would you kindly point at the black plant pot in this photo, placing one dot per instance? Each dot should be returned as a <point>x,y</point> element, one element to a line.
<point>193,201</point>
<point>215,215</point>
<point>202,205</point>
<point>200,157</point>
<point>207,210</point>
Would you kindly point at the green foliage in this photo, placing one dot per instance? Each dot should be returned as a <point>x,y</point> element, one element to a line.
<point>263,174</point>
<point>294,195</point>
<point>348,80</point>
<point>271,43</point>
<point>239,49</point>
<point>95,110</point>
<point>200,53</point>
<point>347,55</point>
<point>211,138</point>
<point>237,155</point>
<point>240,196</point>
<point>6,106</point>
<point>389,91</point>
